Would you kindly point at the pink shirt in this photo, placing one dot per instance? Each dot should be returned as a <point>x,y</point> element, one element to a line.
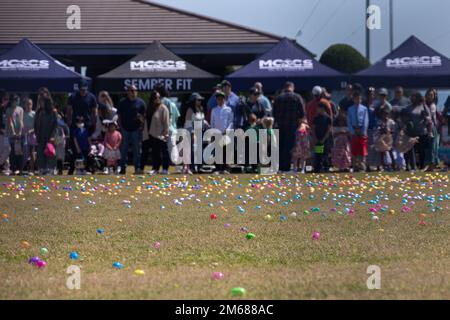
<point>112,140</point>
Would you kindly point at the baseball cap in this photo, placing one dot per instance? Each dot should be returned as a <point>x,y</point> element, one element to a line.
<point>317,91</point>
<point>220,93</point>
<point>255,91</point>
<point>383,92</point>
<point>226,83</point>
<point>83,84</point>
<point>196,96</point>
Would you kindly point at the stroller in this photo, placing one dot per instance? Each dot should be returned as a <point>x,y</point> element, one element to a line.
<point>95,160</point>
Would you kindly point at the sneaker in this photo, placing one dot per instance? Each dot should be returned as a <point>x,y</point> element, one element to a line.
<point>165,172</point>
<point>122,171</point>
<point>225,172</point>
<point>152,172</point>
<point>106,171</point>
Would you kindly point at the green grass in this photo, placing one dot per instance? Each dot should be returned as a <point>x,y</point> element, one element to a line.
<point>281,262</point>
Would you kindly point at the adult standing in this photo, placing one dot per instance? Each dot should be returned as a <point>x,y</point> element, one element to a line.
<point>131,112</point>
<point>191,114</point>
<point>263,99</point>
<point>418,124</point>
<point>431,100</point>
<point>373,159</point>
<point>288,109</point>
<point>82,103</point>
<point>174,114</point>
<point>347,101</point>
<point>222,120</point>
<point>29,117</point>
<point>14,131</point>
<point>255,105</point>
<point>4,141</point>
<point>399,102</point>
<point>358,124</point>
<point>44,128</point>
<point>313,106</point>
<point>106,110</point>
<point>158,121</point>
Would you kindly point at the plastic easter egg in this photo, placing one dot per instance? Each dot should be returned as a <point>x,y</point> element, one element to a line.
<point>74,255</point>
<point>227,225</point>
<point>315,235</point>
<point>375,218</point>
<point>213,216</point>
<point>139,272</point>
<point>25,244</point>
<point>34,260</point>
<point>238,292</point>
<point>283,218</point>
<point>268,217</point>
<point>217,276</point>
<point>250,236</point>
<point>43,251</point>
<point>244,229</point>
<point>41,264</point>
<point>100,231</point>
<point>117,265</point>
<point>294,214</point>
<point>157,245</point>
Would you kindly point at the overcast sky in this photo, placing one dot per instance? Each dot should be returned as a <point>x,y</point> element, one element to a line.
<point>326,22</point>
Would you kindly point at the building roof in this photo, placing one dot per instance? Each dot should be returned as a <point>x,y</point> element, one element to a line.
<point>117,22</point>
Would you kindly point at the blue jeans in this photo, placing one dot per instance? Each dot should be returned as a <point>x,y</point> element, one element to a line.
<point>135,139</point>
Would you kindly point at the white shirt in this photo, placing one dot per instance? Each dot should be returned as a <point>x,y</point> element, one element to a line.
<point>222,118</point>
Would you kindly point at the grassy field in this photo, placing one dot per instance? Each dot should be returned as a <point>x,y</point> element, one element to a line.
<point>282,261</point>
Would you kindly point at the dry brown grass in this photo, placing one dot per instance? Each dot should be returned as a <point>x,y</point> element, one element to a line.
<point>282,262</point>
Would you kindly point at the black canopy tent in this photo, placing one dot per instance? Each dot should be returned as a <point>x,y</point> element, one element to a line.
<point>286,61</point>
<point>413,64</point>
<point>155,65</point>
<point>26,68</point>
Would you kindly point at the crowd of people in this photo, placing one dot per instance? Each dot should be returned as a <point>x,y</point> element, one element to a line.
<point>362,132</point>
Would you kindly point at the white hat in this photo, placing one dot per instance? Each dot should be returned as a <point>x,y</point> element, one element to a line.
<point>317,91</point>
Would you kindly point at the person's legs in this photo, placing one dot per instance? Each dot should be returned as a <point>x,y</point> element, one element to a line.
<point>156,153</point>
<point>136,141</point>
<point>126,137</point>
<point>166,155</point>
<point>144,153</point>
<point>287,140</point>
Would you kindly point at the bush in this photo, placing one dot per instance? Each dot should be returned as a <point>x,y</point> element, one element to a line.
<point>344,58</point>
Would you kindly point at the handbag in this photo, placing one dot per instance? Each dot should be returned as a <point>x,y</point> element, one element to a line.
<point>50,151</point>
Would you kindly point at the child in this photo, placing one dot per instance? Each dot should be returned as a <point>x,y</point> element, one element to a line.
<point>302,148</point>
<point>112,141</point>
<point>384,139</point>
<point>266,147</point>
<point>322,131</point>
<point>61,136</point>
<point>341,155</point>
<point>444,148</point>
<point>81,141</point>
<point>252,125</point>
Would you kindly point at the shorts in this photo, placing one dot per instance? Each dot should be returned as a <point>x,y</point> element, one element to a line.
<point>360,146</point>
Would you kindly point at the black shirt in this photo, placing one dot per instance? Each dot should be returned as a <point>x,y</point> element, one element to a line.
<point>83,106</point>
<point>288,108</point>
<point>322,123</point>
<point>128,111</point>
<point>345,103</point>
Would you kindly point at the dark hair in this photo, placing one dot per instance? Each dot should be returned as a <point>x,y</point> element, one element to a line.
<point>190,104</point>
<point>162,90</point>
<point>288,84</point>
<point>79,119</point>
<point>417,98</point>
<point>434,91</point>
